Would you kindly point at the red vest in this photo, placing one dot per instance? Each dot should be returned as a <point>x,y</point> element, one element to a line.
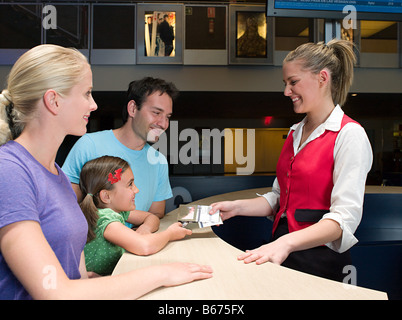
<point>306,180</point>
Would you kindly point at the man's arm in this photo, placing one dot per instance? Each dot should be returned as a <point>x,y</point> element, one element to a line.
<point>77,191</point>
<point>146,221</point>
<point>158,208</point>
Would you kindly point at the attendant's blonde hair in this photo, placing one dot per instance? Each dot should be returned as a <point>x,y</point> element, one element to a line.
<point>42,68</point>
<point>337,56</point>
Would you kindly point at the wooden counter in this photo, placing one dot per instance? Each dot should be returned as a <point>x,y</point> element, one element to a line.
<point>234,280</point>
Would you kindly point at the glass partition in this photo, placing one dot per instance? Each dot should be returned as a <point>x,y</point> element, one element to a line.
<point>20,30</point>
<point>113,34</point>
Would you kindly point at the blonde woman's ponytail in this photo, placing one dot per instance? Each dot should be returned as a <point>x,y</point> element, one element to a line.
<point>342,76</point>
<point>7,117</point>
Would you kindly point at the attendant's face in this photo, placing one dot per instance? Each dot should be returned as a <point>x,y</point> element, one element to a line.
<point>153,117</point>
<point>302,86</point>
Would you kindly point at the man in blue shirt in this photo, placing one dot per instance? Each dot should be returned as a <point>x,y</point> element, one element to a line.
<point>145,116</point>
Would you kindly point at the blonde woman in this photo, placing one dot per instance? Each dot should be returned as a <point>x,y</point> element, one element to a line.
<point>317,198</point>
<point>42,229</point>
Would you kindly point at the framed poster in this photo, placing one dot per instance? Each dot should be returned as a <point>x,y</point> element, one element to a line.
<point>160,33</point>
<point>251,36</point>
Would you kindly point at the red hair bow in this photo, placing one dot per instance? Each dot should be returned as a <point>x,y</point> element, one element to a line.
<point>116,177</point>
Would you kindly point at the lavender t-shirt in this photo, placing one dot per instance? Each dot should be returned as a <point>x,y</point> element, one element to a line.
<point>30,192</point>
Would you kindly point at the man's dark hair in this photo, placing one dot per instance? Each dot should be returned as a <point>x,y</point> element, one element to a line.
<point>139,90</point>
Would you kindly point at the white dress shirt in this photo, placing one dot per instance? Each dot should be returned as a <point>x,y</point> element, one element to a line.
<point>353,158</point>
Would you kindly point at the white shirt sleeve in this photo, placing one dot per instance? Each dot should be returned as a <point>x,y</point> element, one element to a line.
<point>352,161</point>
<point>273,198</point>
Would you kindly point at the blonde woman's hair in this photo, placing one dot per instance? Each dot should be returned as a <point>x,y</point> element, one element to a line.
<point>42,68</point>
<point>337,56</point>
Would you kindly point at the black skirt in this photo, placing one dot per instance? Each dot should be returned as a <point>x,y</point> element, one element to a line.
<point>319,261</point>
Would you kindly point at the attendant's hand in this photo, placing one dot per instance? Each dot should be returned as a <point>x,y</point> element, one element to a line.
<point>228,209</point>
<point>275,252</point>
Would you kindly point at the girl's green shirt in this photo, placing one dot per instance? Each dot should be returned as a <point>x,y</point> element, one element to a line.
<point>101,256</point>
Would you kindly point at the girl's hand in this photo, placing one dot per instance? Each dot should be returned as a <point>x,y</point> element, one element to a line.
<point>180,273</point>
<point>177,231</point>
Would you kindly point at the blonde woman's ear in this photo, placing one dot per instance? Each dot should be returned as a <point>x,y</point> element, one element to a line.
<point>324,76</point>
<point>50,100</point>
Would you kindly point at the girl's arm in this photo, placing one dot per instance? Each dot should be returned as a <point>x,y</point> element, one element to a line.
<point>146,221</point>
<point>143,244</point>
<point>35,265</point>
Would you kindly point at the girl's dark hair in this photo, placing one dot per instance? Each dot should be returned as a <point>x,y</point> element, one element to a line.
<point>139,90</point>
<point>337,56</point>
<point>94,178</point>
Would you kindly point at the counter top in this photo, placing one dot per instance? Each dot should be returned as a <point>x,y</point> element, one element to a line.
<point>234,279</point>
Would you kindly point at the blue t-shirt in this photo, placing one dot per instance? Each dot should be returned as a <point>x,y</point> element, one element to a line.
<point>150,167</point>
<point>30,192</point>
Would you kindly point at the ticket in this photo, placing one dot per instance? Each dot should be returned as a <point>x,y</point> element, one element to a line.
<point>199,214</point>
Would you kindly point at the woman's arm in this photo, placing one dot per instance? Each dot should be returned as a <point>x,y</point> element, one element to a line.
<point>35,265</point>
<point>264,206</point>
<point>256,207</point>
<point>313,236</point>
<point>143,244</point>
<point>353,159</point>
<point>83,268</point>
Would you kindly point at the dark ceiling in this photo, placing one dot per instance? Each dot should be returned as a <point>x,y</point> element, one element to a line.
<point>254,105</point>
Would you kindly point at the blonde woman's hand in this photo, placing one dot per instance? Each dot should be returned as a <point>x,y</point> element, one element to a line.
<point>180,273</point>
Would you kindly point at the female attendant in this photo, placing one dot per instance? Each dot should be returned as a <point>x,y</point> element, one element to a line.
<point>317,198</point>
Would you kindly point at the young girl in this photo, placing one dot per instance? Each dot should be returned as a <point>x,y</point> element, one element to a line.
<point>317,198</point>
<point>42,229</point>
<point>107,185</point>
